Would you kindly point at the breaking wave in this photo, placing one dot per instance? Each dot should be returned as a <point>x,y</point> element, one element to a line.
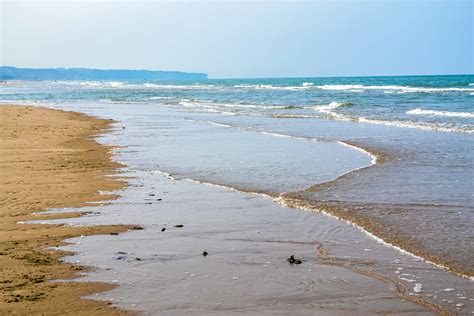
<point>328,109</point>
<point>303,87</point>
<point>393,88</point>
<point>420,125</point>
<point>440,113</point>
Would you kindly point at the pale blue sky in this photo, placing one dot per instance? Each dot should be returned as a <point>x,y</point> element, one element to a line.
<point>243,39</point>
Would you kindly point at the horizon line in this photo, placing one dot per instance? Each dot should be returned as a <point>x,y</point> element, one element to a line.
<point>251,78</point>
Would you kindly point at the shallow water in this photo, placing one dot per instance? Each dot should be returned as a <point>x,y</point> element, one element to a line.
<point>420,198</point>
<point>248,238</point>
<point>285,137</point>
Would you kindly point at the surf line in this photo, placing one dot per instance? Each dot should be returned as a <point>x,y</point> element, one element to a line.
<point>399,287</point>
<point>376,158</point>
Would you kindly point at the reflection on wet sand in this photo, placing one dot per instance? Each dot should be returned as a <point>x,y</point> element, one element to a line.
<point>405,224</point>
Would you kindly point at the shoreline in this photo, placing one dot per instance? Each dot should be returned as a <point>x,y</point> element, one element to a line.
<point>303,205</point>
<point>400,288</point>
<point>215,268</point>
<point>377,157</point>
<point>297,200</point>
<point>384,219</point>
<point>50,160</point>
<point>430,306</point>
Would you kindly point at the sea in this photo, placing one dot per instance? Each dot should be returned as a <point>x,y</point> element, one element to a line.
<point>392,157</point>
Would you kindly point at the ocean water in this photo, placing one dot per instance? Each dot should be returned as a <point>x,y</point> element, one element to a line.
<point>393,155</point>
<point>442,103</point>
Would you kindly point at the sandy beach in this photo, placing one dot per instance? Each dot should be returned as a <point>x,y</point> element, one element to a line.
<point>51,162</point>
<point>48,160</point>
<point>165,158</point>
<point>56,161</point>
<point>247,237</point>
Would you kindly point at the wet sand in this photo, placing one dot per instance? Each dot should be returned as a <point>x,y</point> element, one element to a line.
<point>400,223</point>
<point>49,160</point>
<point>416,196</point>
<point>248,238</point>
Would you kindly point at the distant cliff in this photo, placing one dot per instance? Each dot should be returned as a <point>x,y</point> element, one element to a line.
<point>13,73</point>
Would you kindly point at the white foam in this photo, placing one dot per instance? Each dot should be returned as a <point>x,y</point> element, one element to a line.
<point>255,86</point>
<point>356,88</point>
<point>271,87</point>
<point>406,279</point>
<point>161,98</point>
<point>423,126</point>
<point>219,124</point>
<point>417,288</point>
<point>297,116</point>
<point>211,123</point>
<point>181,87</point>
<point>373,161</point>
<point>90,83</point>
<point>287,136</point>
<point>225,187</point>
<point>119,101</point>
<point>22,102</point>
<point>189,103</point>
<point>98,84</point>
<point>281,200</point>
<point>419,111</point>
<point>219,106</point>
<point>329,109</point>
<point>151,85</point>
<point>259,131</point>
<point>394,88</point>
<point>116,83</point>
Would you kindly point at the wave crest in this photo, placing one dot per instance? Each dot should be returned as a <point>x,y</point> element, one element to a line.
<point>328,109</point>
<point>419,111</point>
<point>393,88</point>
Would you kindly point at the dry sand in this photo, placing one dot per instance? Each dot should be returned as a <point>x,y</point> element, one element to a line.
<point>48,160</point>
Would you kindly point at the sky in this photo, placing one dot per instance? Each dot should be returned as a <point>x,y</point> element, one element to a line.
<point>232,39</point>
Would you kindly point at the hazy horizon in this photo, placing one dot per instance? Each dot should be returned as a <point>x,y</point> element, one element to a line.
<point>242,39</point>
<point>224,78</point>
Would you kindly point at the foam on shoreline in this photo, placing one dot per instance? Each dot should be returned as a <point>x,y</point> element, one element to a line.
<point>303,205</point>
<point>294,204</point>
<point>419,111</point>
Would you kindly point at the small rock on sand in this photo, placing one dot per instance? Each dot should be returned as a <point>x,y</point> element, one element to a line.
<point>293,260</point>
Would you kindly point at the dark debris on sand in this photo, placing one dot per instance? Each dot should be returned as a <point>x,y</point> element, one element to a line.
<point>293,260</point>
